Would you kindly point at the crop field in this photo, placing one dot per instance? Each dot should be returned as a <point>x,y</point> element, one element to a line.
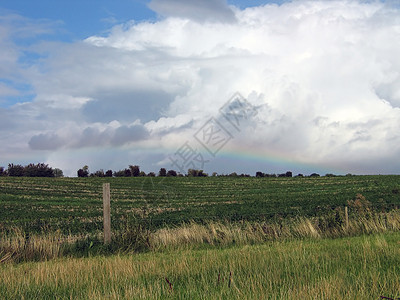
<point>74,205</point>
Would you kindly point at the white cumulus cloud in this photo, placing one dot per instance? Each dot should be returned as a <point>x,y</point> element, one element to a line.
<point>323,75</point>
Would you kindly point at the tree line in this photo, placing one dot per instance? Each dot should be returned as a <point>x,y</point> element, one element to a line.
<point>134,171</point>
<point>31,170</point>
<point>131,171</point>
<point>44,170</point>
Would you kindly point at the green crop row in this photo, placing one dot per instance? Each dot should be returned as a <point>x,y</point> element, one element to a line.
<point>74,205</point>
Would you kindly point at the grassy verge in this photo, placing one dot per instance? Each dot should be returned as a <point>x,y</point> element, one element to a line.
<point>19,246</point>
<point>364,267</point>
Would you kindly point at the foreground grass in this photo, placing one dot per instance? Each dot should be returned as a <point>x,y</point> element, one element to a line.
<point>364,267</point>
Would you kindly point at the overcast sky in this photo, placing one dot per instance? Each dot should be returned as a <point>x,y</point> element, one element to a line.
<point>315,85</point>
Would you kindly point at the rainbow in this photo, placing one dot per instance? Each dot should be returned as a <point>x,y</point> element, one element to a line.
<point>274,160</point>
<point>264,159</point>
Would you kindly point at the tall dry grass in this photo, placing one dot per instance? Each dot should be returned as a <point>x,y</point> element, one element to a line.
<point>223,234</point>
<point>17,246</point>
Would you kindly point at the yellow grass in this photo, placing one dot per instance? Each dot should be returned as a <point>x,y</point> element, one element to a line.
<point>348,268</point>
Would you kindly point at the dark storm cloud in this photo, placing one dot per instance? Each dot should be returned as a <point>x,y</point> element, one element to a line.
<point>42,141</point>
<point>127,106</point>
<point>90,137</point>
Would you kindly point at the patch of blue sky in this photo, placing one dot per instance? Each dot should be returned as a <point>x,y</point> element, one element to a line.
<point>246,3</point>
<point>29,57</point>
<point>81,19</point>
<point>24,93</point>
<point>9,101</point>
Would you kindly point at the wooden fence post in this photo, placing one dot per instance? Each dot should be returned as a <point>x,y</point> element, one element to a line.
<point>346,217</point>
<point>106,213</point>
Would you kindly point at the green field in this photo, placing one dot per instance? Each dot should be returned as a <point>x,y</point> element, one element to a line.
<point>74,205</point>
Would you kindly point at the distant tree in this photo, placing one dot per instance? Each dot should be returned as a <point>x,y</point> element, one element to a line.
<point>58,173</point>
<point>162,172</point>
<point>196,173</point>
<point>135,170</point>
<point>15,170</point>
<point>171,173</point>
<point>151,174</point>
<point>127,173</point>
<point>233,174</point>
<point>192,173</point>
<point>142,174</point>
<point>99,173</point>
<point>282,175</point>
<point>330,175</point>
<point>214,174</point>
<point>201,173</point>
<point>289,174</point>
<point>123,173</point>
<point>120,173</point>
<point>260,174</point>
<point>299,175</point>
<point>109,173</point>
<point>84,172</point>
<point>314,175</point>
<point>2,171</point>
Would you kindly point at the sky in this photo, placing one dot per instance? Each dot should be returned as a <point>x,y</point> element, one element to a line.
<point>223,86</point>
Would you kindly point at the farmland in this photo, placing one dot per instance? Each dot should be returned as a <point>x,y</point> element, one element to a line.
<point>74,205</point>
<point>197,238</point>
